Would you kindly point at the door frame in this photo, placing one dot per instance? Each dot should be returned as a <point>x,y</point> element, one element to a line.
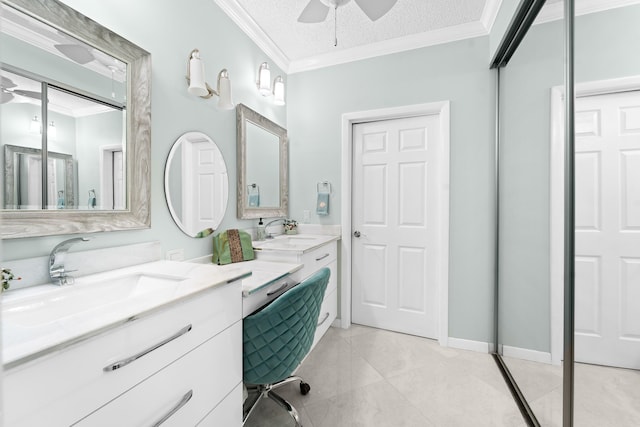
<point>556,207</point>
<point>348,121</point>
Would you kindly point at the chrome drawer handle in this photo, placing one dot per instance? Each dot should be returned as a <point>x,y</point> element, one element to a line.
<point>322,257</point>
<point>326,316</point>
<point>135,357</point>
<point>283,286</point>
<point>183,401</point>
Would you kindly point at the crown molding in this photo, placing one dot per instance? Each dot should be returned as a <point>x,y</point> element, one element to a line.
<point>489,13</point>
<point>555,11</point>
<point>249,26</point>
<point>386,47</point>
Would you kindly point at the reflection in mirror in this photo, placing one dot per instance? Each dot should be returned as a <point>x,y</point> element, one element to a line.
<point>98,112</point>
<point>23,179</point>
<point>196,184</point>
<point>262,166</point>
<point>263,171</point>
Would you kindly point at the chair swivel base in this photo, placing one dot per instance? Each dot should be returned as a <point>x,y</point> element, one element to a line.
<point>266,391</point>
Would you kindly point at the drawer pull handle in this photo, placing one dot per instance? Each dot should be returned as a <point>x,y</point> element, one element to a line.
<point>135,357</point>
<point>326,316</point>
<point>186,398</point>
<point>322,257</point>
<point>282,287</point>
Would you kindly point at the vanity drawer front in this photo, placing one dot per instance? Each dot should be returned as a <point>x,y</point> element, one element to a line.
<point>73,382</point>
<point>184,392</point>
<point>318,258</point>
<point>228,413</point>
<point>328,313</point>
<point>261,297</point>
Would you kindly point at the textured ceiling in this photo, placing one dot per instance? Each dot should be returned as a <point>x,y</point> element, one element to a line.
<point>278,19</point>
<point>410,24</point>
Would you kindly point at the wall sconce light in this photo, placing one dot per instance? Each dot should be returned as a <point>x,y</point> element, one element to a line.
<point>35,126</point>
<point>198,86</point>
<point>264,79</point>
<point>52,130</point>
<point>278,91</point>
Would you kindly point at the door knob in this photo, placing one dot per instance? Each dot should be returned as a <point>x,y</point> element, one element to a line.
<point>356,233</point>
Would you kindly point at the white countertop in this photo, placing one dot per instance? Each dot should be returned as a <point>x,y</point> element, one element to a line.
<point>263,273</point>
<point>299,243</point>
<point>45,318</point>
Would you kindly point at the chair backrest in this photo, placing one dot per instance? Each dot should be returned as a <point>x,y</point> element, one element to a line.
<point>278,337</point>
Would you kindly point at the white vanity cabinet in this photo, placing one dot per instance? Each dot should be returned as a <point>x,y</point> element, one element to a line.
<point>324,255</point>
<point>181,363</point>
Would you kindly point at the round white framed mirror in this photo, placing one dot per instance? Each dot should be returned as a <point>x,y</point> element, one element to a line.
<point>196,184</point>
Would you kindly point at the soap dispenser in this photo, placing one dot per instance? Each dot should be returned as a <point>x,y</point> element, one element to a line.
<point>261,232</point>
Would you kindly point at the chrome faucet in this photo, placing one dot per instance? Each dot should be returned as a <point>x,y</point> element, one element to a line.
<point>57,272</point>
<point>266,227</point>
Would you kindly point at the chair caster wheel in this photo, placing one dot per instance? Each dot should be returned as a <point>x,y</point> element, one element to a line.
<point>304,388</point>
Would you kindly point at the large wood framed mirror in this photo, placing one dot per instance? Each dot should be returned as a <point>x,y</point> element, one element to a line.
<point>263,166</point>
<point>87,90</point>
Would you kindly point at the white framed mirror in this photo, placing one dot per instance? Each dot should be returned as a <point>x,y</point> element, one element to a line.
<point>263,168</point>
<point>72,58</point>
<point>196,184</point>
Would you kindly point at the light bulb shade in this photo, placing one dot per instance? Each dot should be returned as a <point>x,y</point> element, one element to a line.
<point>52,131</point>
<point>278,91</point>
<point>224,92</point>
<point>197,85</point>
<point>264,79</point>
<point>35,126</point>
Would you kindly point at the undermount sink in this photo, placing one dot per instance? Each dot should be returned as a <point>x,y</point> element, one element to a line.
<point>85,295</point>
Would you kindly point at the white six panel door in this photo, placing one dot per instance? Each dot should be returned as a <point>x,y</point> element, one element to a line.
<point>608,230</point>
<point>393,279</point>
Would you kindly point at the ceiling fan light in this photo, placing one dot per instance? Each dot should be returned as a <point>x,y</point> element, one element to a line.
<point>264,79</point>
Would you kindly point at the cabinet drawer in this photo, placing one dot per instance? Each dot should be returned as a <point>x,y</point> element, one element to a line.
<point>261,297</point>
<point>184,392</point>
<point>74,382</point>
<point>328,313</point>
<point>318,258</point>
<point>228,413</point>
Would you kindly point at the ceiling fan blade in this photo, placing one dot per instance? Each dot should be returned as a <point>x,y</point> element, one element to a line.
<point>27,93</point>
<point>75,52</point>
<point>376,9</point>
<point>6,97</point>
<point>314,12</point>
<point>7,83</point>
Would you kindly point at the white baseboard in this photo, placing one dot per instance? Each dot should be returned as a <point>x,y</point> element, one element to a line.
<point>526,354</point>
<point>462,344</point>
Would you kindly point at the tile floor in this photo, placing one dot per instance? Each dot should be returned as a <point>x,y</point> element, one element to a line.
<point>604,396</point>
<point>375,378</point>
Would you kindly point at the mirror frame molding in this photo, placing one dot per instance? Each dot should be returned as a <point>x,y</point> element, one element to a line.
<point>20,224</point>
<point>244,114</point>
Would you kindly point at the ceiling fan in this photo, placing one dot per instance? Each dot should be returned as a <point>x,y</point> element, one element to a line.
<point>8,91</point>
<point>317,10</point>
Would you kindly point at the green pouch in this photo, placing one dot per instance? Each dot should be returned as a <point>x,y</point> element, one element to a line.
<point>232,246</point>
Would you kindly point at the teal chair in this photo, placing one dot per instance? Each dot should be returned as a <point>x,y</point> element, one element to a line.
<point>277,338</point>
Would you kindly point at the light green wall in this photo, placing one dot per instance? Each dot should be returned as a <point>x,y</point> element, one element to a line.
<point>602,51</point>
<point>457,72</point>
<point>169,31</point>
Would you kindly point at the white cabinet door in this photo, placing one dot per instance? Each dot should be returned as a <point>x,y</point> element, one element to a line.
<point>395,206</point>
<point>608,230</point>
